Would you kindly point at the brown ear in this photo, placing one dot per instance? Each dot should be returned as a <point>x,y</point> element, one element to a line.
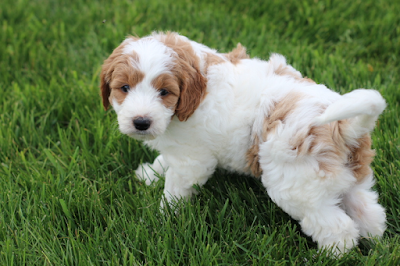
<point>193,89</point>
<point>104,85</point>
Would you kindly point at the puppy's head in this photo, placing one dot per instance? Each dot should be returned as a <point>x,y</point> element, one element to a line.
<point>149,80</point>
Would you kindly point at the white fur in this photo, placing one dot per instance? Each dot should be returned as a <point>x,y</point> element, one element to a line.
<point>222,129</point>
<point>147,172</point>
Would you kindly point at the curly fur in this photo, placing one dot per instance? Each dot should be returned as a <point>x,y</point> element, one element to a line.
<point>309,145</point>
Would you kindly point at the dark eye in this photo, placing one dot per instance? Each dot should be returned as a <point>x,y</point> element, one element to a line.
<point>125,88</point>
<point>163,92</point>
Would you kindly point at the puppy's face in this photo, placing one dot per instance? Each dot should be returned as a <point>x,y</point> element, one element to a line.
<point>149,80</point>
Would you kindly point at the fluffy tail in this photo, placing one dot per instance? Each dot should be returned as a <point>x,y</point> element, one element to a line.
<point>361,107</point>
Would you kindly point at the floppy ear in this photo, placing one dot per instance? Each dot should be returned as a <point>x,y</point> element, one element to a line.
<point>192,91</point>
<point>104,84</point>
<point>192,83</point>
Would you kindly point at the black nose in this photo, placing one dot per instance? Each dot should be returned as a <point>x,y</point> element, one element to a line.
<point>141,123</point>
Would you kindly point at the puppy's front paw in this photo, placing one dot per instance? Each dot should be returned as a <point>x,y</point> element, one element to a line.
<point>146,173</point>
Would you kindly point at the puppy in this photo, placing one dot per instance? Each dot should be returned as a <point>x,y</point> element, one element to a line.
<point>202,109</point>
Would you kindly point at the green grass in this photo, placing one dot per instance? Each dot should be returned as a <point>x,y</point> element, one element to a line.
<point>68,195</point>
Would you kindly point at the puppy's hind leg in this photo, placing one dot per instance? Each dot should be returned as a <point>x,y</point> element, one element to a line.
<point>147,172</point>
<point>315,207</point>
<point>361,204</point>
<point>309,195</point>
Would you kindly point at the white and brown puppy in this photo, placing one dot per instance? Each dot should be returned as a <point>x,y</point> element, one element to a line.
<point>202,109</point>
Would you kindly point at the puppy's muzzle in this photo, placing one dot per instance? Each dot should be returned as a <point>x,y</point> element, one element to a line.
<point>141,123</point>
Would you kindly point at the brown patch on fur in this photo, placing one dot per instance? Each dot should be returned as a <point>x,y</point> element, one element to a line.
<point>279,112</point>
<point>253,158</point>
<point>123,74</point>
<point>169,83</point>
<point>237,54</point>
<point>361,157</point>
<point>192,84</point>
<point>328,146</point>
<point>285,70</point>
<point>213,59</point>
<point>276,117</point>
<point>325,143</point>
<point>116,72</point>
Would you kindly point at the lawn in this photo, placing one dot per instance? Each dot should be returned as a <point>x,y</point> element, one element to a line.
<point>68,195</point>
